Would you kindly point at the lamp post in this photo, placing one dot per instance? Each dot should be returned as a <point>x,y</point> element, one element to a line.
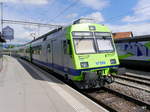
<point>1,34</point>
<point>1,16</point>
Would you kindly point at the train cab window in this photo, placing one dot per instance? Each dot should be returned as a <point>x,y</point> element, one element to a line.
<point>105,45</point>
<point>84,42</point>
<point>102,34</point>
<point>49,48</point>
<point>84,45</point>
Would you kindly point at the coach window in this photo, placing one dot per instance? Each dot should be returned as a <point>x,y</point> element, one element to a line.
<point>49,48</point>
<point>28,50</point>
<point>34,50</point>
<point>40,50</point>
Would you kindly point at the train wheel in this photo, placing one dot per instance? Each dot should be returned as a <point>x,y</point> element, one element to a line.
<point>66,77</point>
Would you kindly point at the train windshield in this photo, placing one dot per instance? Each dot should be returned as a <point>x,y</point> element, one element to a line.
<point>104,41</point>
<point>105,45</point>
<point>89,42</point>
<point>84,45</point>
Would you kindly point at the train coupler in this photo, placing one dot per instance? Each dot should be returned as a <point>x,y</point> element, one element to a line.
<point>109,79</point>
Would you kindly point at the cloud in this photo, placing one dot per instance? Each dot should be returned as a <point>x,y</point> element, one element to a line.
<point>135,18</point>
<point>38,2</point>
<point>96,16</point>
<point>95,4</point>
<point>23,32</point>
<point>141,12</point>
<point>137,29</point>
<point>72,16</point>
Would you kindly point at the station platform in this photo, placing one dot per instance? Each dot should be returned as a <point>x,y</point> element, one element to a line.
<point>27,88</point>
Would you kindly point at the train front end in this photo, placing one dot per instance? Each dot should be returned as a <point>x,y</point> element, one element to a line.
<point>94,55</point>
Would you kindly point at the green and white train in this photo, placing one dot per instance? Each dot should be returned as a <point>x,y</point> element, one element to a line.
<point>83,52</point>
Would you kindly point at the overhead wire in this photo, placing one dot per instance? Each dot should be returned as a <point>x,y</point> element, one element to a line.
<point>64,10</point>
<point>110,19</point>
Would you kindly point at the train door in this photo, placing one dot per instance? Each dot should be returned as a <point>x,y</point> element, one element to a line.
<point>48,50</point>
<point>31,53</point>
<point>64,54</point>
<point>54,53</point>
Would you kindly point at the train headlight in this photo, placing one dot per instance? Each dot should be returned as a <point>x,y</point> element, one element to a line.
<point>92,28</point>
<point>113,61</point>
<point>84,64</point>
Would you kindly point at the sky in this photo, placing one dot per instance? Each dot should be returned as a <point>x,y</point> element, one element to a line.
<point>118,15</point>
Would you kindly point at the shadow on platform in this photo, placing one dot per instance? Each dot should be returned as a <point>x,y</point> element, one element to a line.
<point>36,76</point>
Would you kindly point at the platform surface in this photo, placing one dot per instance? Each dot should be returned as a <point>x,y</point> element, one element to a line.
<point>26,88</point>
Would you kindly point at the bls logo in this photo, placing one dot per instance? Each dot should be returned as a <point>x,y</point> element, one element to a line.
<point>100,63</point>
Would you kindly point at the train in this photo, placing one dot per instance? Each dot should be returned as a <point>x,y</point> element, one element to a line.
<point>134,52</point>
<point>83,52</point>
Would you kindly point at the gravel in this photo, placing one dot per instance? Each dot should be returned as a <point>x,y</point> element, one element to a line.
<point>133,92</point>
<point>133,84</point>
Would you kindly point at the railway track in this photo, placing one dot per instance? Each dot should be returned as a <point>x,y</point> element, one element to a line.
<point>138,76</point>
<point>146,89</point>
<point>134,78</point>
<point>117,102</point>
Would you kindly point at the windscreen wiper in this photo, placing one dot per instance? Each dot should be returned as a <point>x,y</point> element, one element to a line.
<point>80,40</point>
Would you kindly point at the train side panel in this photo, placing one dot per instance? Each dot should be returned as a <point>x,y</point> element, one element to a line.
<point>53,53</point>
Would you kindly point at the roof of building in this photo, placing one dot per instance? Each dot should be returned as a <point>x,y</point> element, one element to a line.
<point>134,39</point>
<point>119,35</point>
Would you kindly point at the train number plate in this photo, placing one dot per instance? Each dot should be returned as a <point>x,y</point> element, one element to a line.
<point>100,63</point>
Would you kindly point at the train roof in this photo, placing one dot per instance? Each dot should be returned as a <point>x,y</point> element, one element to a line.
<point>134,39</point>
<point>51,32</point>
<point>79,21</point>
